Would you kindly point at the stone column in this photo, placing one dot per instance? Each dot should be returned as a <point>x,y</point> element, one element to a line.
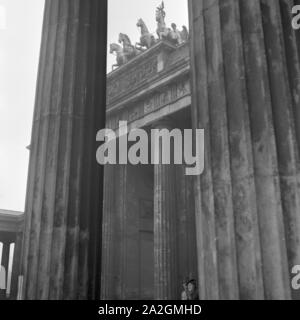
<point>203,186</point>
<point>165,261</point>
<point>186,231</point>
<point>292,59</point>
<point>240,147</point>
<point>284,105</point>
<point>120,241</point>
<point>297,35</point>
<point>216,199</point>
<point>4,263</point>
<point>61,256</point>
<point>5,258</point>
<point>245,76</point>
<point>264,153</point>
<point>108,233</point>
<point>16,265</point>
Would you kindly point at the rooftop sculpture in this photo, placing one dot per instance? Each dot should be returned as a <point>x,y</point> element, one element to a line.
<point>128,51</point>
<point>147,39</point>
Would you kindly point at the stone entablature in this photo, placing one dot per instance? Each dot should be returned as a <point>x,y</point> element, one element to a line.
<point>11,221</point>
<point>154,79</point>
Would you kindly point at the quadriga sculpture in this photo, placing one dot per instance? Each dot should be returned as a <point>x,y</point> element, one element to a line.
<point>173,35</point>
<point>129,50</point>
<point>120,55</point>
<point>147,39</point>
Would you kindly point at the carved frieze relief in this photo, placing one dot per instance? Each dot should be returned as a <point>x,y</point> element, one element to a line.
<point>129,81</point>
<point>165,96</point>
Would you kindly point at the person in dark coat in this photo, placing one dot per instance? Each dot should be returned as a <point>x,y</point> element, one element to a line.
<point>192,292</point>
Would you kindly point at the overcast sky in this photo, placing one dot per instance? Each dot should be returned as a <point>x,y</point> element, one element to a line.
<point>19,50</point>
<point>20,33</point>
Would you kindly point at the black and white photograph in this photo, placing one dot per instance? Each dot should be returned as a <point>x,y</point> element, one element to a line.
<point>149,151</point>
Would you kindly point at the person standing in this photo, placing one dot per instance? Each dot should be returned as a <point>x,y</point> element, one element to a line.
<point>192,292</point>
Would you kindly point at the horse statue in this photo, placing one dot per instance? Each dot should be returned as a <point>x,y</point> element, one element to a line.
<point>121,56</point>
<point>162,31</point>
<point>147,39</point>
<point>129,50</point>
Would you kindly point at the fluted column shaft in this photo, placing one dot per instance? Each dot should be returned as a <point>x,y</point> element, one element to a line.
<point>5,258</point>
<point>284,105</point>
<point>16,265</point>
<point>5,263</point>
<point>186,231</point>
<point>62,238</point>
<point>203,186</point>
<point>120,231</point>
<point>245,78</point>
<point>165,260</point>
<point>292,59</point>
<point>108,234</point>
<point>242,175</point>
<point>220,156</point>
